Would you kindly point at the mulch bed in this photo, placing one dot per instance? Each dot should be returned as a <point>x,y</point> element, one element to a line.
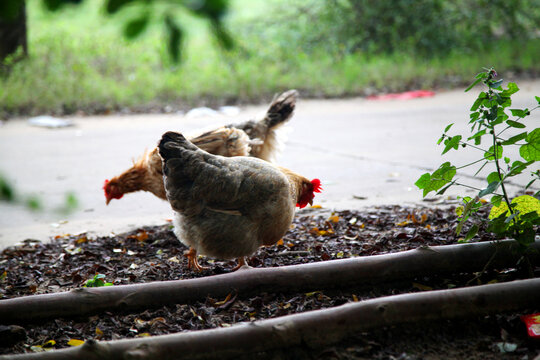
<point>154,254</point>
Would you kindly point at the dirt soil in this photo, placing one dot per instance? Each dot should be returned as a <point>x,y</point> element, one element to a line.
<point>154,254</point>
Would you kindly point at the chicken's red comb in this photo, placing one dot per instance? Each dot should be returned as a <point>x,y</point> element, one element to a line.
<point>316,185</point>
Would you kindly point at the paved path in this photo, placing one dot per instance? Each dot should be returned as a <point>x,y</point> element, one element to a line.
<point>365,152</point>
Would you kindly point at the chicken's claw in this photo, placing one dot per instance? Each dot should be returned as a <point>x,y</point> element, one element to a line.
<point>191,255</point>
<point>241,263</point>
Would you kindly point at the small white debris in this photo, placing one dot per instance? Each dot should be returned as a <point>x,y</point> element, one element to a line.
<point>50,122</point>
<point>229,110</point>
<point>201,112</point>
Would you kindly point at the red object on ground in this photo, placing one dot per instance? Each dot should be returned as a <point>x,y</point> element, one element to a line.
<point>532,322</point>
<point>403,96</point>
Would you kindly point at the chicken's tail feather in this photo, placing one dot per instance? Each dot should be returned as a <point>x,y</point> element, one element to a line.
<point>171,143</point>
<point>281,109</point>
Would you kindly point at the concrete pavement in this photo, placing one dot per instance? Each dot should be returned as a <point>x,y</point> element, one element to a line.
<point>365,152</point>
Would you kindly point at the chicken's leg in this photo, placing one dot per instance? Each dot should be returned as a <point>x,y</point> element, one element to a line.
<point>191,255</point>
<point>241,262</point>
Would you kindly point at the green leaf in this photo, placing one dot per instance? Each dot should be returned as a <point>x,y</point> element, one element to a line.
<point>451,143</point>
<point>507,160</point>
<point>530,183</point>
<point>524,204</point>
<point>493,152</point>
<point>224,39</point>
<point>481,75</point>
<point>496,200</point>
<point>537,99</point>
<point>423,181</point>
<point>490,188</point>
<point>472,232</point>
<point>175,35</point>
<point>517,168</point>
<point>531,150</point>
<point>33,203</point>
<point>526,236</point>
<point>494,176</point>
<point>519,113</point>
<point>515,124</point>
<point>479,101</point>
<point>514,139</point>
<point>440,177</point>
<point>474,116</point>
<point>477,135</point>
<point>496,84</point>
<point>440,139</point>
<point>448,127</point>
<point>213,9</point>
<point>474,83</point>
<point>512,89</point>
<point>7,192</point>
<point>54,5</point>
<point>113,6</point>
<point>135,27</point>
<point>446,187</point>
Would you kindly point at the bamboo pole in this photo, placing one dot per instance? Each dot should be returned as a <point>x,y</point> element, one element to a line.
<point>314,328</point>
<point>306,277</point>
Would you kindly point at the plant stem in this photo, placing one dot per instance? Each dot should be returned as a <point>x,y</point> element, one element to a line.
<point>503,188</point>
<point>508,127</point>
<point>475,147</point>
<point>469,164</point>
<point>473,188</point>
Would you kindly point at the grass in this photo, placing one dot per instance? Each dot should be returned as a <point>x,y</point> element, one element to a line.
<point>80,61</point>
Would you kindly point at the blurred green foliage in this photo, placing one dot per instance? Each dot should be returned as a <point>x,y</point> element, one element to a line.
<point>80,60</point>
<point>145,11</point>
<point>428,27</point>
<point>33,202</point>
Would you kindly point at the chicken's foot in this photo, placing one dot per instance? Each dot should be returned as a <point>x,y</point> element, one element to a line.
<point>191,255</point>
<point>241,262</point>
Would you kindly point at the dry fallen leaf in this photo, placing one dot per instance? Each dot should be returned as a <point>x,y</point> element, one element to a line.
<point>49,344</point>
<point>75,342</point>
<point>81,240</point>
<point>141,236</point>
<point>333,218</point>
<point>224,301</point>
<point>421,286</point>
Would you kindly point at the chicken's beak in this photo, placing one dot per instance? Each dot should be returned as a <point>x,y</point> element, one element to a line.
<point>311,202</point>
<point>108,201</point>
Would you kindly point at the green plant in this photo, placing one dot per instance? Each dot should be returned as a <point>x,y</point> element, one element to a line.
<point>515,218</point>
<point>33,202</point>
<point>142,13</point>
<point>97,281</point>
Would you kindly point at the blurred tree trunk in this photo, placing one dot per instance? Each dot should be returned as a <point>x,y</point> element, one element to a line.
<point>13,31</point>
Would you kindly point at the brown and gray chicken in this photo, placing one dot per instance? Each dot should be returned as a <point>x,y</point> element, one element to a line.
<point>227,207</point>
<point>257,138</point>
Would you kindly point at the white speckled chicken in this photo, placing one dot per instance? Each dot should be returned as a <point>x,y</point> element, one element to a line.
<point>228,207</point>
<point>258,138</point>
